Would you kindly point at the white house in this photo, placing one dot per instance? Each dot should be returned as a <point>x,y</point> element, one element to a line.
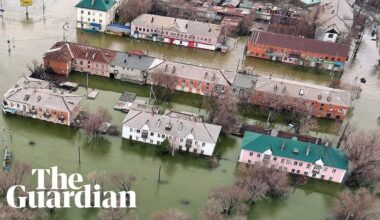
<point>96,14</point>
<point>184,131</point>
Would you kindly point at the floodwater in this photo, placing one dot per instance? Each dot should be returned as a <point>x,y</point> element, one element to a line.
<point>185,177</point>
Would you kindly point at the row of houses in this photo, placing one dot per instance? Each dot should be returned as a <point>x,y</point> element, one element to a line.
<point>35,98</point>
<point>298,50</point>
<point>135,67</point>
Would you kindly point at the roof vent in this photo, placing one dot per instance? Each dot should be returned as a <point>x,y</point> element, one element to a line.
<point>275,87</point>
<point>174,70</point>
<point>213,77</point>
<point>125,61</point>
<point>152,20</point>
<point>301,92</point>
<point>296,151</point>
<point>319,97</point>
<point>206,74</point>
<point>186,25</point>
<point>329,98</point>
<point>180,126</point>
<point>168,126</point>
<point>158,122</point>
<point>284,89</point>
<point>308,150</point>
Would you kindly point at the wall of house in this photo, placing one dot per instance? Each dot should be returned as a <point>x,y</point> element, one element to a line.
<point>94,68</point>
<point>61,68</point>
<point>39,112</point>
<point>261,50</point>
<point>155,138</point>
<point>198,87</point>
<point>320,109</point>
<point>292,166</point>
<point>87,16</point>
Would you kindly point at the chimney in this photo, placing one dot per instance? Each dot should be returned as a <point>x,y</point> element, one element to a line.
<point>152,20</point>
<point>180,126</point>
<point>173,70</point>
<point>206,74</point>
<point>186,26</point>
<point>158,122</point>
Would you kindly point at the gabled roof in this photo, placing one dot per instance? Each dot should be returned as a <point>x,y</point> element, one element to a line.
<point>282,147</point>
<point>181,127</point>
<point>300,44</point>
<point>99,5</point>
<point>337,15</point>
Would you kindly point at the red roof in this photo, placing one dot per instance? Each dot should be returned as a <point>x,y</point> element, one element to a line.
<point>299,43</point>
<point>65,51</point>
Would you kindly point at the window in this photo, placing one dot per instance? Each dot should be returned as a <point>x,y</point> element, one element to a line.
<point>305,173</point>
<point>131,130</point>
<point>298,171</point>
<point>203,144</point>
<point>330,179</point>
<point>202,151</point>
<point>330,35</point>
<point>89,13</point>
<point>334,170</point>
<point>274,158</point>
<point>266,157</point>
<point>293,170</point>
<point>196,142</point>
<point>258,155</point>
<point>295,163</point>
<point>300,164</point>
<point>287,161</point>
<point>138,131</point>
<point>249,161</point>
<point>163,136</point>
<point>100,21</point>
<point>81,11</point>
<point>280,168</point>
<point>323,177</point>
<point>158,135</point>
<point>151,133</point>
<point>308,165</point>
<point>181,140</point>
<point>325,169</point>
<point>282,160</point>
<point>250,153</point>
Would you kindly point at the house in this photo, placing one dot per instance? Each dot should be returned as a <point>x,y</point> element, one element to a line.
<point>297,50</point>
<point>184,131</point>
<point>195,79</point>
<point>95,14</point>
<point>187,33</point>
<point>34,98</point>
<point>311,2</point>
<point>292,156</point>
<point>319,101</point>
<point>132,67</point>
<point>335,20</point>
<point>65,57</point>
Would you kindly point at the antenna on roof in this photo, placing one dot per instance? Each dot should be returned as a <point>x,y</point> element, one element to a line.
<point>283,146</point>
<point>308,150</point>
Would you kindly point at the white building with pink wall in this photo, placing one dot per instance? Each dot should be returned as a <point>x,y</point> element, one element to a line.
<point>293,156</point>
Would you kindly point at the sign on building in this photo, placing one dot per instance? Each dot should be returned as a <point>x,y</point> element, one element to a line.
<point>25,3</point>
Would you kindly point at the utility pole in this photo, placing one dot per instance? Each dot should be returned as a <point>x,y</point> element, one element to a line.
<point>87,83</point>
<point>43,7</point>
<point>1,10</point>
<point>79,154</point>
<point>159,175</point>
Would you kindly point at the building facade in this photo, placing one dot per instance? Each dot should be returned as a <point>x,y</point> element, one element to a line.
<point>176,31</point>
<point>65,57</point>
<point>95,15</point>
<point>297,50</point>
<point>33,98</point>
<point>185,132</point>
<point>292,156</point>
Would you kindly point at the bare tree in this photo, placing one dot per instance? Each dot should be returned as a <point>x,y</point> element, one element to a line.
<point>36,70</point>
<point>246,24</point>
<point>123,182</point>
<point>164,83</point>
<point>171,214</point>
<point>10,213</point>
<point>95,120</point>
<point>97,178</point>
<point>227,197</point>
<point>363,152</point>
<point>111,214</point>
<point>259,182</point>
<point>212,210</point>
<point>353,205</point>
<point>130,9</point>
<point>225,113</point>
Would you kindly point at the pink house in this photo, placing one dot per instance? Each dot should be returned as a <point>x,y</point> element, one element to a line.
<point>293,156</point>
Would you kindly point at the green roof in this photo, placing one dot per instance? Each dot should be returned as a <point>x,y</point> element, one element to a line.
<point>294,149</point>
<point>100,5</point>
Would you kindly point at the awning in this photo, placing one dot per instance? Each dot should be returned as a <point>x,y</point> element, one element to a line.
<point>95,25</point>
<point>9,110</point>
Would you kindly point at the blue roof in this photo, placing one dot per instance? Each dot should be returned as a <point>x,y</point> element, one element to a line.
<point>294,149</point>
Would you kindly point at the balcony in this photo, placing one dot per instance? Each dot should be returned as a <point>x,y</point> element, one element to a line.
<point>144,134</point>
<point>189,143</point>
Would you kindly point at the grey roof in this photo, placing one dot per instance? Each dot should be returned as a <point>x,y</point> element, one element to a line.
<point>180,126</point>
<point>337,15</point>
<point>194,72</point>
<point>310,91</point>
<point>140,62</point>
<point>188,27</point>
<point>32,95</point>
<point>245,81</point>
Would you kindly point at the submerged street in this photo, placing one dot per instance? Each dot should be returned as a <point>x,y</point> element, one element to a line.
<point>186,178</point>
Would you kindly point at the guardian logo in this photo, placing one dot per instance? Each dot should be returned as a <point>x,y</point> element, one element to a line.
<point>67,189</point>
